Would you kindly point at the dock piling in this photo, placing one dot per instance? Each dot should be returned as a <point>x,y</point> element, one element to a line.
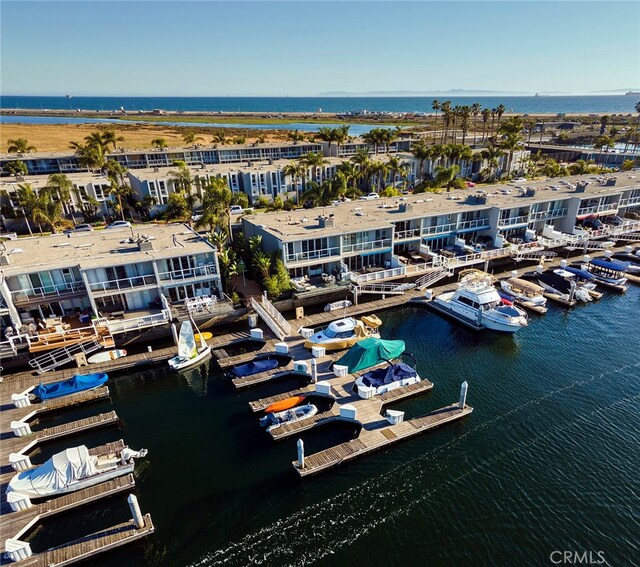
<point>21,428</point>
<point>300,453</point>
<point>463,394</point>
<point>17,550</point>
<point>174,332</point>
<point>18,502</point>
<point>138,518</point>
<point>19,462</point>
<point>314,370</point>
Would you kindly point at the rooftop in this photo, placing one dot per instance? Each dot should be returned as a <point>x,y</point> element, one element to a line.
<point>363,215</point>
<point>40,181</point>
<point>101,248</point>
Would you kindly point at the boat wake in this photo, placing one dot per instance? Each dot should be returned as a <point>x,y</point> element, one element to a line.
<point>322,529</point>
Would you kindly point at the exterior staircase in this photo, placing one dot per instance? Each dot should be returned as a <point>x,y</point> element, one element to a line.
<point>383,288</point>
<point>272,317</point>
<point>432,277</point>
<point>64,355</point>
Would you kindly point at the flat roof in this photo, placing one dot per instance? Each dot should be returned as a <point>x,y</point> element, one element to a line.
<point>40,181</point>
<point>101,248</point>
<point>360,215</point>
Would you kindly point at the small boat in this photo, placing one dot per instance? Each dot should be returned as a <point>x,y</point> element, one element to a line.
<point>188,352</point>
<point>479,305</point>
<point>370,352</point>
<point>555,284</point>
<point>383,380</point>
<point>284,404</point>
<point>585,282</point>
<point>72,469</point>
<point>524,291</point>
<point>337,305</point>
<point>607,271</point>
<point>73,385</point>
<point>253,367</point>
<point>203,336</point>
<point>272,420</point>
<point>633,259</point>
<point>344,333</point>
<point>106,356</point>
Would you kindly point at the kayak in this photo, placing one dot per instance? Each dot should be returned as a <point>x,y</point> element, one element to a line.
<point>106,356</point>
<point>284,404</point>
<point>205,336</point>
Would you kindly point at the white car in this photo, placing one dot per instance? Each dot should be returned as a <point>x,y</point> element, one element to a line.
<point>370,197</point>
<point>119,224</point>
<point>236,209</point>
<point>520,180</point>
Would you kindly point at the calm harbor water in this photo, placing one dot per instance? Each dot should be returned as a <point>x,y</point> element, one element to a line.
<point>547,461</point>
<point>521,104</point>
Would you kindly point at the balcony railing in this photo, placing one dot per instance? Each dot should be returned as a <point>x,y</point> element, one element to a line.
<point>359,278</point>
<point>556,213</point>
<point>312,255</point>
<point>474,223</point>
<point>538,215</point>
<point>136,323</point>
<point>598,208</point>
<point>510,221</point>
<point>46,292</point>
<point>123,284</point>
<point>188,273</point>
<point>364,246</point>
<point>439,229</point>
<point>630,201</point>
<point>404,234</point>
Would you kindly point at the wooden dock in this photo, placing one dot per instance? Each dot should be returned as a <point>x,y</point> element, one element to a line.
<point>379,437</point>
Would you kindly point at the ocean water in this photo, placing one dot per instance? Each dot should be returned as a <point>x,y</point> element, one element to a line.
<point>546,462</point>
<point>519,104</point>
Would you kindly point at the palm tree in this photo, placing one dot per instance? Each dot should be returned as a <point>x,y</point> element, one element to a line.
<point>603,143</point>
<point>262,264</point>
<point>19,146</point>
<point>421,152</point>
<point>313,161</point>
<point>476,107</point>
<point>499,112</point>
<point>35,206</point>
<point>219,137</point>
<point>295,136</point>
<point>447,176</point>
<point>510,142</point>
<point>228,266</point>
<point>465,115</point>
<point>216,200</point>
<point>362,161</point>
<point>325,134</point>
<point>159,143</point>
<point>181,177</point>
<point>486,113</point>
<point>446,117</point>
<point>190,138</point>
<point>394,166</point>
<point>435,105</point>
<point>120,189</point>
<point>380,170</point>
<point>296,171</point>
<point>340,136</point>
<point>350,173</point>
<point>492,154</point>
<point>494,112</point>
<point>109,137</point>
<point>61,186</point>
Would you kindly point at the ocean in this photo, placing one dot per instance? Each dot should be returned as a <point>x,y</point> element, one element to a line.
<point>546,463</point>
<point>518,104</point>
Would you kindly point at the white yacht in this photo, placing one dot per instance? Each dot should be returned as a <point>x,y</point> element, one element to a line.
<point>345,333</point>
<point>477,304</point>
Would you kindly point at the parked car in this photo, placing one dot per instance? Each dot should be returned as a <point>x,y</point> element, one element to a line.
<point>236,209</point>
<point>370,197</point>
<point>79,228</point>
<point>470,184</point>
<point>120,224</point>
<point>520,180</point>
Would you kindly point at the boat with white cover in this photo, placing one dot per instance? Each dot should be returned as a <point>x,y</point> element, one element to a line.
<point>344,333</point>
<point>337,305</point>
<point>477,303</point>
<point>189,354</point>
<point>70,470</point>
<point>382,380</point>
<point>272,420</point>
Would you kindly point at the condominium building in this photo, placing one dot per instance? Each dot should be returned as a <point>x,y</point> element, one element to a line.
<point>369,236</point>
<point>133,272</point>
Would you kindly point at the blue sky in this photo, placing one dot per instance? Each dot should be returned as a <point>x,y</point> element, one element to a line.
<point>305,48</point>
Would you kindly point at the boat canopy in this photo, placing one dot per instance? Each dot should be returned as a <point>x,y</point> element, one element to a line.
<point>71,465</point>
<point>371,321</point>
<point>610,264</point>
<point>524,285</point>
<point>254,367</point>
<point>369,352</point>
<point>392,373</point>
<point>76,383</point>
<point>582,274</point>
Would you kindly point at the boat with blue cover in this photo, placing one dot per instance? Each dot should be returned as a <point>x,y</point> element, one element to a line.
<point>75,384</point>
<point>607,271</point>
<point>254,367</point>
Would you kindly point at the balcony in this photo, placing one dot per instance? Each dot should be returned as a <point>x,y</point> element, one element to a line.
<point>439,229</point>
<point>474,224</point>
<point>50,292</point>
<point>366,246</point>
<point>123,284</point>
<point>512,221</point>
<point>604,208</point>
<point>188,273</point>
<point>538,215</point>
<point>407,234</point>
<point>312,255</point>
<point>630,201</point>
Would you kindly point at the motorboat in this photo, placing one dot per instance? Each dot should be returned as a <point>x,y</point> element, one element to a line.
<point>107,356</point>
<point>70,470</point>
<point>75,384</point>
<point>254,367</point>
<point>276,419</point>
<point>632,258</point>
<point>478,304</point>
<point>285,404</point>
<point>370,352</point>
<point>585,281</point>
<point>337,305</point>
<point>344,333</point>
<point>555,284</point>
<point>189,353</point>
<point>383,380</point>
<point>524,291</point>
<point>607,270</point>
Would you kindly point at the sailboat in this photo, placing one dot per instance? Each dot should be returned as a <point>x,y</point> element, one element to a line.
<point>189,354</point>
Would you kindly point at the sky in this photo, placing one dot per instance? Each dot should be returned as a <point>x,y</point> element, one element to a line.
<point>266,48</point>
